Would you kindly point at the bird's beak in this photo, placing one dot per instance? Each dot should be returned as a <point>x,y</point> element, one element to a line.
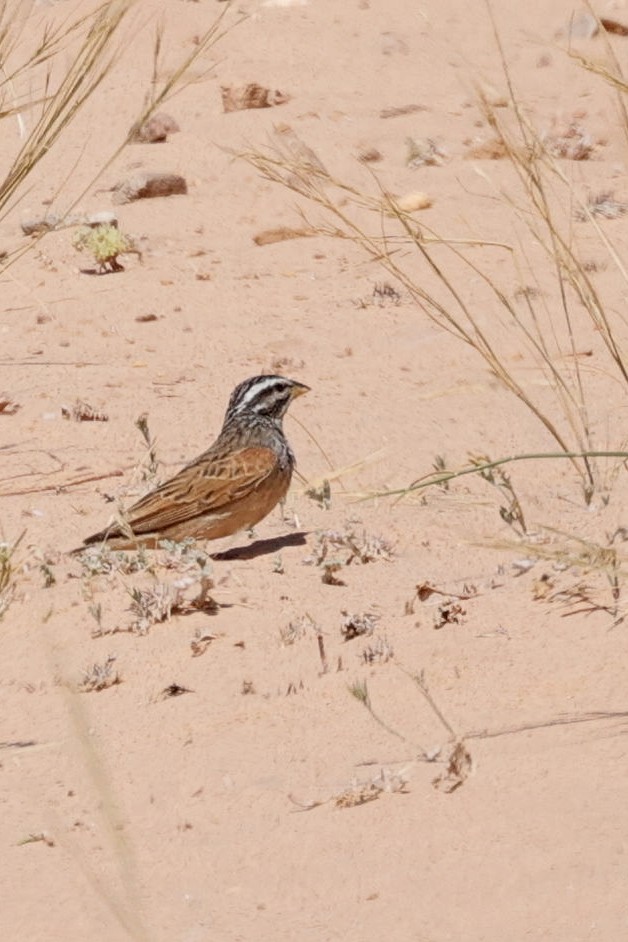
<point>299,389</point>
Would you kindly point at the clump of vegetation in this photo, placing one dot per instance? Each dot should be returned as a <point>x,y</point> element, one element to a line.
<point>297,629</point>
<point>349,546</point>
<point>105,243</point>
<point>82,412</point>
<point>355,625</point>
<point>602,204</point>
<point>100,676</point>
<point>185,556</point>
<point>151,606</point>
<point>101,560</point>
<point>335,549</point>
<point>161,601</point>
<point>569,140</point>
<point>380,652</point>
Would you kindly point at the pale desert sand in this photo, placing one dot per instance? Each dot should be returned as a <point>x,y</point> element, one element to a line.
<point>239,810</point>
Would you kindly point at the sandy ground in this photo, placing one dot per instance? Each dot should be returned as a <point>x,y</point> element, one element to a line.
<point>483,793</point>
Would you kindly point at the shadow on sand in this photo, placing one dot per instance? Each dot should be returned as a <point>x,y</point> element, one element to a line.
<point>263,547</point>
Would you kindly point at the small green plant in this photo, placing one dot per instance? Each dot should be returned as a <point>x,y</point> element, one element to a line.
<point>104,243</point>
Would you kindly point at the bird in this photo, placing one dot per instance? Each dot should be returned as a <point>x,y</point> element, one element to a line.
<point>231,486</point>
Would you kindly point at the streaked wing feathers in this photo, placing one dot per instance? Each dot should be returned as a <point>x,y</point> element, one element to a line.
<point>208,485</point>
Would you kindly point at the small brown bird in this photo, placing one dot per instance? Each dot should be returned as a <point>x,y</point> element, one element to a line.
<point>231,486</point>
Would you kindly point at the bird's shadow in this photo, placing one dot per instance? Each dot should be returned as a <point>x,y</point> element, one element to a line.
<point>263,547</point>
<point>98,272</point>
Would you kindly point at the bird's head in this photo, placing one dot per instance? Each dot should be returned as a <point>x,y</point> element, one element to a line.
<point>267,396</point>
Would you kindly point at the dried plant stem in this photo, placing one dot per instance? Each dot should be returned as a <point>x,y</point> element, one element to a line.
<point>361,693</point>
<point>421,683</point>
<point>570,719</point>
<point>62,485</point>
<point>435,478</point>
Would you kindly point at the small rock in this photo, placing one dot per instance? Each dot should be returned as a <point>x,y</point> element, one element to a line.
<point>411,202</point>
<point>34,225</point>
<point>613,26</point>
<point>148,185</point>
<point>240,98</point>
<point>103,218</point>
<point>158,128</point>
<point>370,155</point>
<point>282,234</point>
<point>582,26</point>
<point>8,405</point>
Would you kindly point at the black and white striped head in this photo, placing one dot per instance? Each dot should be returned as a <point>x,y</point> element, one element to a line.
<point>267,396</point>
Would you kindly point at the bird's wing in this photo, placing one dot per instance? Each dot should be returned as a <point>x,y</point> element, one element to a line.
<point>205,486</point>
